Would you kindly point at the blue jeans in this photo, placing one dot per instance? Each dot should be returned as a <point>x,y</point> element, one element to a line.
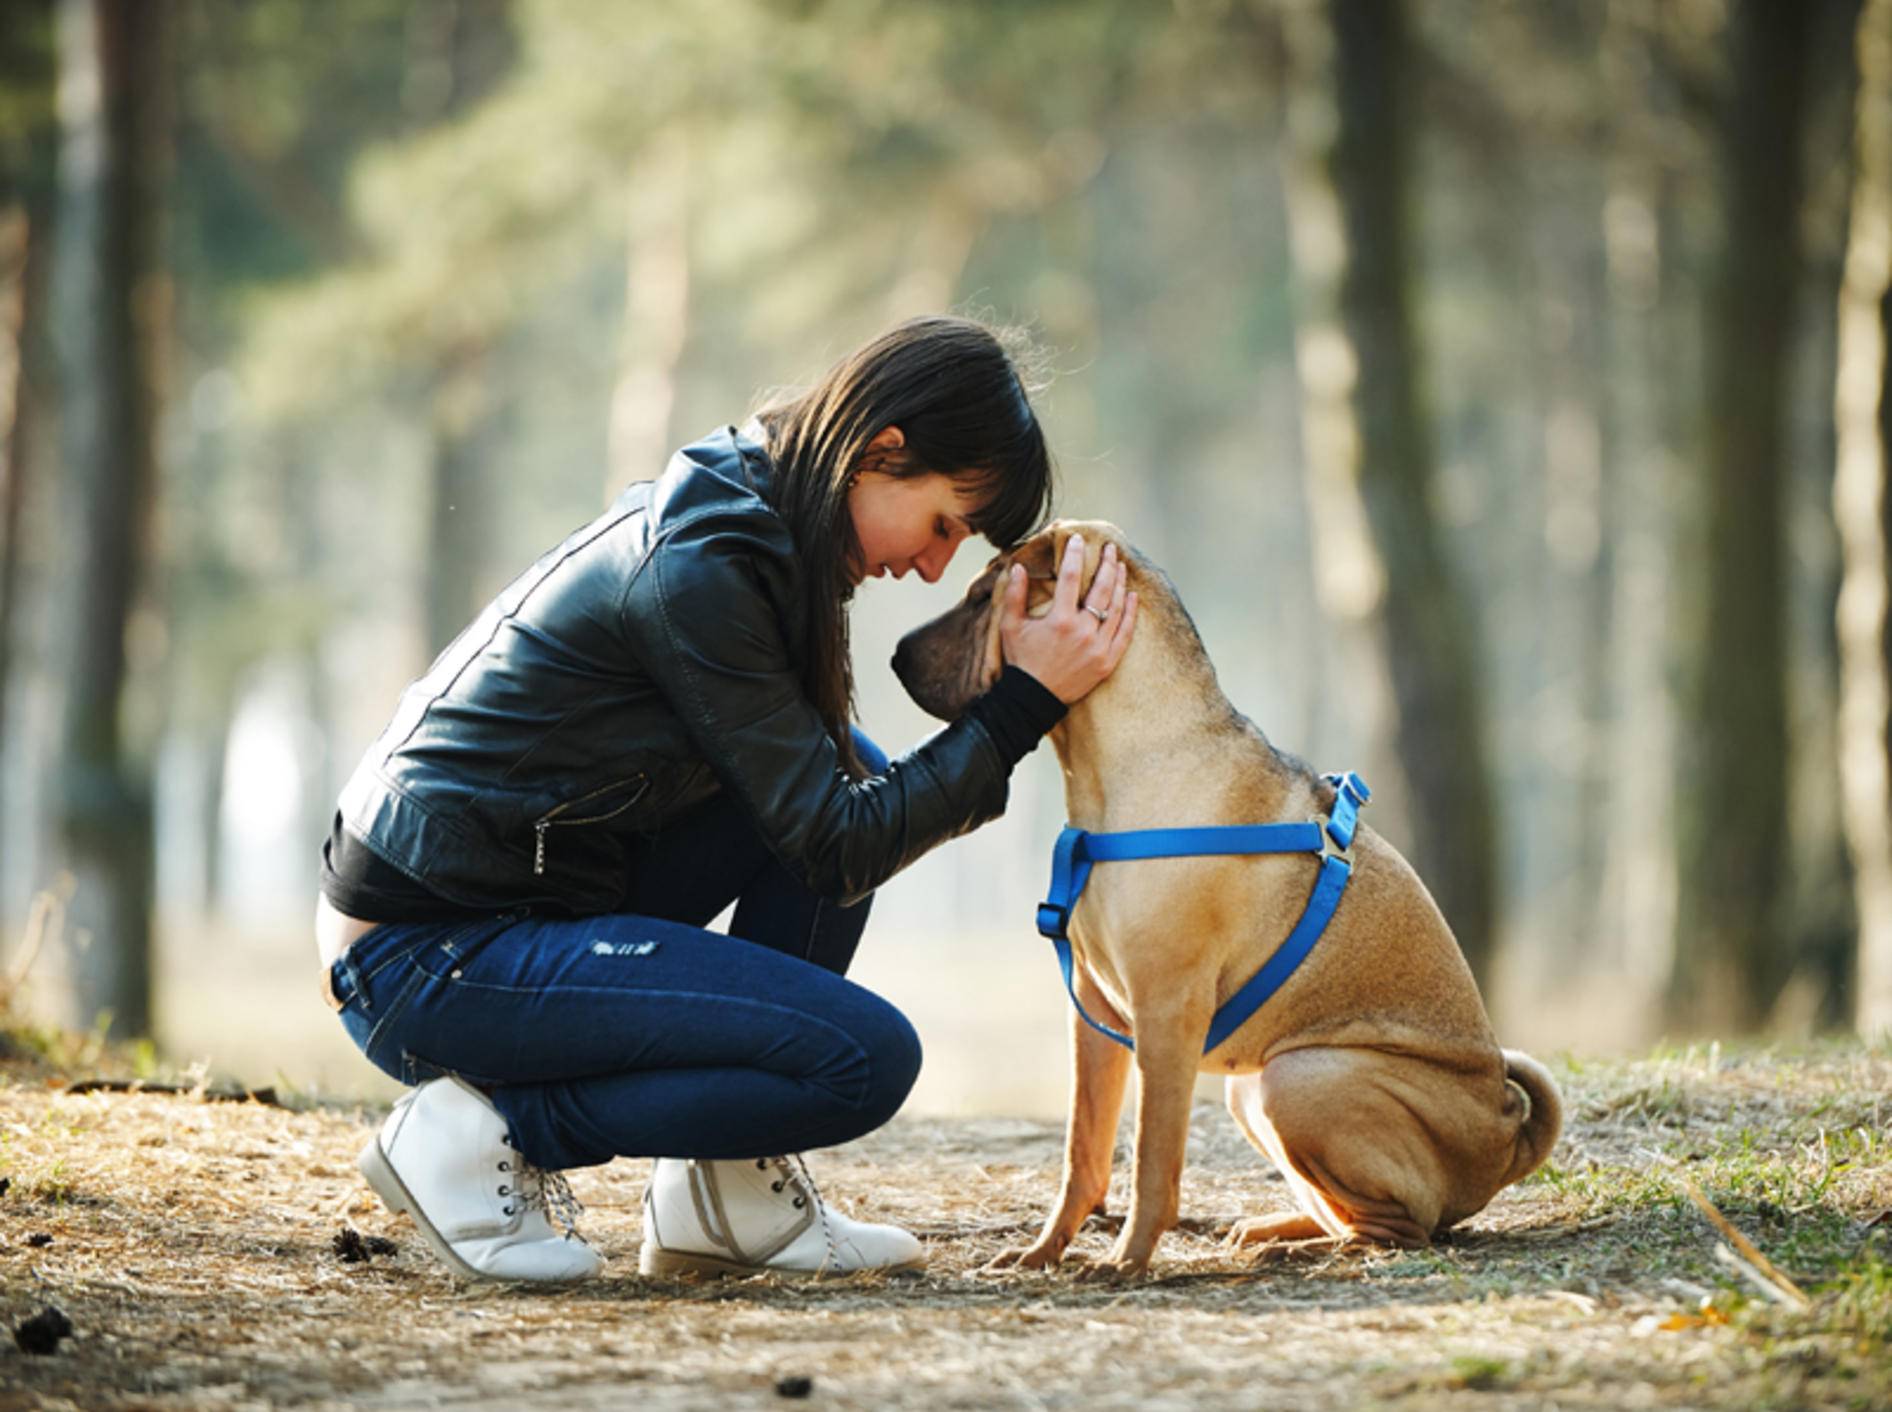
<point>642,1034</point>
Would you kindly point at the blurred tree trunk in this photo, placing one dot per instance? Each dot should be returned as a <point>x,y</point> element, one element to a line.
<point>1574,557</point>
<point>25,233</point>
<point>1863,417</point>
<point>458,49</point>
<point>1636,921</point>
<point>656,313</point>
<point>111,311</point>
<point>1820,937</point>
<point>19,240</point>
<point>1368,444</point>
<point>460,527</point>
<point>1732,797</point>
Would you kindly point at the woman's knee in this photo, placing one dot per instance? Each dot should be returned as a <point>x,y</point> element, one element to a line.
<point>870,1064</point>
<point>893,1062</point>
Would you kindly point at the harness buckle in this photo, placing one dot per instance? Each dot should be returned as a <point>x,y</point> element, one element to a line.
<point>1053,919</point>
<point>1328,848</point>
<point>1350,784</point>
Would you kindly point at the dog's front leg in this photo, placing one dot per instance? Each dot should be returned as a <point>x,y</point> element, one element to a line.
<point>1100,1067</point>
<point>1169,1049</point>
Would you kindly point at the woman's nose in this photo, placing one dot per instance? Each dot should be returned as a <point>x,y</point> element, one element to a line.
<point>933,562</point>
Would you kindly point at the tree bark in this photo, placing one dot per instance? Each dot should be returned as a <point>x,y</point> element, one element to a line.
<point>1862,415</point>
<point>111,304</point>
<point>1732,799</point>
<point>1382,567</point>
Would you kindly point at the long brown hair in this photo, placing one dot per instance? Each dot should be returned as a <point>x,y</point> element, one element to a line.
<point>951,388</point>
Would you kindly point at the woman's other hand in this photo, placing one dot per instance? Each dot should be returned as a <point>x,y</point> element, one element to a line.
<point>1077,643</point>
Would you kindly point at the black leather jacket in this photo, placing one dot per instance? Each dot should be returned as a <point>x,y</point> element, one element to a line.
<point>644,663</point>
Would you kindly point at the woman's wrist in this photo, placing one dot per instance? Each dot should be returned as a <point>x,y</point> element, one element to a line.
<point>1016,712</point>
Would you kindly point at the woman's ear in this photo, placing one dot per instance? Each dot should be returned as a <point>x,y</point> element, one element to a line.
<point>887,441</point>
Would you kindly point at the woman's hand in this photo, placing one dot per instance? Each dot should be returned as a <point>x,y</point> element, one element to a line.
<point>1075,645</point>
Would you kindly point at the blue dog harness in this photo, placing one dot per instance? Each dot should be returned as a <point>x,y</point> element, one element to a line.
<point>1331,838</point>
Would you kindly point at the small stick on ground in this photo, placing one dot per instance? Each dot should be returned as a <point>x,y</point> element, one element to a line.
<point>1744,1251</point>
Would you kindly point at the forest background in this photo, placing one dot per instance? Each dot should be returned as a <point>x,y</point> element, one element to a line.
<point>1501,382</point>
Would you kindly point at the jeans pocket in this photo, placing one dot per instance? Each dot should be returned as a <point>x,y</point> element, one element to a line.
<point>443,959</point>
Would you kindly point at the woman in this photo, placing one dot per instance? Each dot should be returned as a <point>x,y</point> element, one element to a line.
<point>649,724</point>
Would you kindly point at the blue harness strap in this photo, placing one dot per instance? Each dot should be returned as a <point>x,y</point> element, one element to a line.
<point>1331,838</point>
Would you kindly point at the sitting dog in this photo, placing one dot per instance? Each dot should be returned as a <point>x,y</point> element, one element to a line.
<point>1371,1078</point>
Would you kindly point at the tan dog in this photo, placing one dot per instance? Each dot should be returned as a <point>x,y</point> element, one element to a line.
<point>1371,1078</point>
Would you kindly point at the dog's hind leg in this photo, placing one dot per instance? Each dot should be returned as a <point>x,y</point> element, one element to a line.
<point>1100,1068</point>
<point>1358,1157</point>
<point>1316,1217</point>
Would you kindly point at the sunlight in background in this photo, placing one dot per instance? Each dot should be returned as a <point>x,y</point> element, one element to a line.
<point>266,865</point>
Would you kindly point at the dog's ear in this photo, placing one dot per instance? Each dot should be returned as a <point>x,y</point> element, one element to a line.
<point>1040,553</point>
<point>1043,555</point>
<point>1096,535</point>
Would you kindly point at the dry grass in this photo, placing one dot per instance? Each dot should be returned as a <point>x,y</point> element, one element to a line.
<point>192,1248</point>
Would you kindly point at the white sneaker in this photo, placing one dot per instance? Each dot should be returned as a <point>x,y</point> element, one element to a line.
<point>758,1216</point>
<point>444,1157</point>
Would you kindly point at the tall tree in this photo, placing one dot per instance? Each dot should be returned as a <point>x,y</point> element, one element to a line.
<point>1863,419</point>
<point>1637,907</point>
<point>467,45</point>
<point>111,304</point>
<point>26,199</point>
<point>1729,959</point>
<point>1369,449</point>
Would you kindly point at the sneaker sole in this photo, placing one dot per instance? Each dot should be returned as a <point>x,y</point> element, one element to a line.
<point>653,1260</point>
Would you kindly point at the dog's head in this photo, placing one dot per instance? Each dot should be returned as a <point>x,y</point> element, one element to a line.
<point>946,663</point>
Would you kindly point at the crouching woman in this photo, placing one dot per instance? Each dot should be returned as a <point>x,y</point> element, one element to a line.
<point>648,725</point>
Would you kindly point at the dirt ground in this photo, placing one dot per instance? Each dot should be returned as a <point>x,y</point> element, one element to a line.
<point>192,1245</point>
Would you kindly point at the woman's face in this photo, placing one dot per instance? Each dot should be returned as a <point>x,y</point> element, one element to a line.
<point>904,522</point>
<point>916,522</point>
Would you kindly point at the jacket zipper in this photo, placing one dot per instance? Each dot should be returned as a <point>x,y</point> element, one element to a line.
<point>552,819</point>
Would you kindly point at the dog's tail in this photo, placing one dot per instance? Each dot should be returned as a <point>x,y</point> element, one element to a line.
<point>1530,1088</point>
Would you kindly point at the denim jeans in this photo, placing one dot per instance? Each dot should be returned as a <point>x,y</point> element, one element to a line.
<point>643,1034</point>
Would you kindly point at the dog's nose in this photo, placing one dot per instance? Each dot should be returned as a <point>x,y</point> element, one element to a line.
<point>902,657</point>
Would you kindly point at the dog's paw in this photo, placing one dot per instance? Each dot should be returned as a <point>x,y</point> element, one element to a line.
<point>1116,1269</point>
<point>1261,1230</point>
<point>1041,1256</point>
<point>1113,1272</point>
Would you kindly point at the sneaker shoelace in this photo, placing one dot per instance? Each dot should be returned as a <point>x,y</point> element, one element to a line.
<point>795,1173</point>
<point>546,1190</point>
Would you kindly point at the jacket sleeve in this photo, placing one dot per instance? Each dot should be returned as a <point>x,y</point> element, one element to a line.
<point>702,615</point>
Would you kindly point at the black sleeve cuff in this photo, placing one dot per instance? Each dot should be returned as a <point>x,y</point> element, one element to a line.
<point>1016,713</point>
